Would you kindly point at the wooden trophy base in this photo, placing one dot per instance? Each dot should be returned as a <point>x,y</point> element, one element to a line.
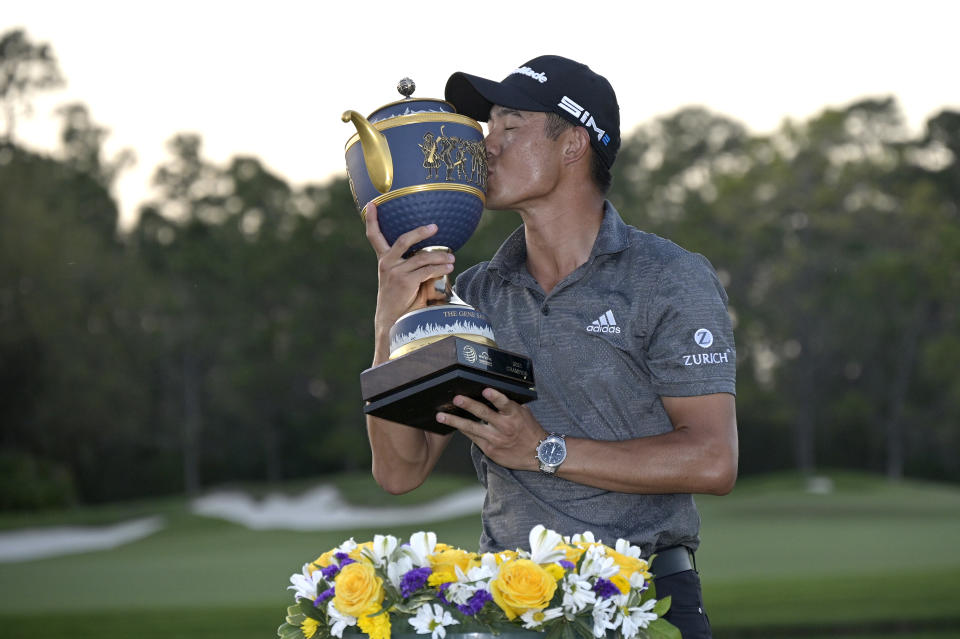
<point>413,388</point>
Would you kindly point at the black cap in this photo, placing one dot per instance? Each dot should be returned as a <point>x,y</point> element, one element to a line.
<point>551,84</point>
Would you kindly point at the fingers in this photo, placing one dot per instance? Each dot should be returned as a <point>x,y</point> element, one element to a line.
<point>469,427</point>
<point>374,236</point>
<point>404,242</point>
<point>478,409</point>
<point>507,434</point>
<point>425,265</point>
<point>500,401</point>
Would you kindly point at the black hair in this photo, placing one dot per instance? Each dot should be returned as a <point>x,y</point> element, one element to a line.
<point>599,172</point>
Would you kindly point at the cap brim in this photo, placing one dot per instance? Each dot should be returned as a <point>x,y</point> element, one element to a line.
<point>474,96</point>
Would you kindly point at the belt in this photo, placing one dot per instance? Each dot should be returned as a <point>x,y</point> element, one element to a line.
<point>670,561</point>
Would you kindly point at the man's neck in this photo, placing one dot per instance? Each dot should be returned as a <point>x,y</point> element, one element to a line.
<point>560,236</point>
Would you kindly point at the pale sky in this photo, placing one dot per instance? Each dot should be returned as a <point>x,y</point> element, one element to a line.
<point>271,79</point>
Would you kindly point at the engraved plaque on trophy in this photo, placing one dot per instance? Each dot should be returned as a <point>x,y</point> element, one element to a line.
<point>422,163</point>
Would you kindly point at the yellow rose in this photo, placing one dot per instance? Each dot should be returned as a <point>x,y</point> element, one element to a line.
<point>522,586</point>
<point>357,589</point>
<point>445,563</point>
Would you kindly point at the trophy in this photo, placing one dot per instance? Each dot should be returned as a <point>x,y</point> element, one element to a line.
<point>421,162</point>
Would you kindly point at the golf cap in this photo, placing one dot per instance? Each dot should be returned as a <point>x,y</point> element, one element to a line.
<point>552,84</point>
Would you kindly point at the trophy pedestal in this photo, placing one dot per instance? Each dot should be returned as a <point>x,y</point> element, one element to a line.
<point>413,388</point>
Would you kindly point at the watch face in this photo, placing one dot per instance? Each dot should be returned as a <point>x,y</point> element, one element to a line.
<point>552,452</point>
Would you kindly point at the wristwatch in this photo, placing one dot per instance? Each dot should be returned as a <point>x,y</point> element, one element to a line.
<point>551,452</point>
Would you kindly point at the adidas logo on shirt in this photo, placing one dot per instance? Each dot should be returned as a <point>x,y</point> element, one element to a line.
<point>604,324</point>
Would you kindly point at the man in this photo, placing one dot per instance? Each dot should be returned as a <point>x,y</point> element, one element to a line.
<point>629,337</point>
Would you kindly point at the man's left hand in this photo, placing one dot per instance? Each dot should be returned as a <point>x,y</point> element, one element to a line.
<point>508,433</point>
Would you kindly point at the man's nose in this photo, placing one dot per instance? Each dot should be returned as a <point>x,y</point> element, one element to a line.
<point>490,143</point>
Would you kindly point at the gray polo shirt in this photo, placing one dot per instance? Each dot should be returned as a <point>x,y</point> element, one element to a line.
<point>642,318</point>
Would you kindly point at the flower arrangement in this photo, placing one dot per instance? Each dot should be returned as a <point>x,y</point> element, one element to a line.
<point>567,587</point>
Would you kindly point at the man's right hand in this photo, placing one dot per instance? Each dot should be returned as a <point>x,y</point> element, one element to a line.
<point>399,278</point>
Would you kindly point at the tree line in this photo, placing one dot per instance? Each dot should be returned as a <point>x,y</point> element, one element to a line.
<point>221,337</point>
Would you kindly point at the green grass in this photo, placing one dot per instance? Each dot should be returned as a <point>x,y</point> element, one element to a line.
<point>871,559</point>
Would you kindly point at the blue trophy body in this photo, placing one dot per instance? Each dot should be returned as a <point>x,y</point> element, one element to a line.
<point>422,163</point>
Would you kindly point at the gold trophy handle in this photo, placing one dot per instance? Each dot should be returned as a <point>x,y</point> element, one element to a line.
<point>376,151</point>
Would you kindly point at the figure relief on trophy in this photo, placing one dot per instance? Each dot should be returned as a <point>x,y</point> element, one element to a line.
<point>420,162</point>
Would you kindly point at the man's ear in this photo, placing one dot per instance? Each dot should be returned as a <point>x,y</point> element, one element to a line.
<point>576,144</point>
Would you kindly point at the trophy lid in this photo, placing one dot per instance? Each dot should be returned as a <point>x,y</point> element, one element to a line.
<point>410,105</point>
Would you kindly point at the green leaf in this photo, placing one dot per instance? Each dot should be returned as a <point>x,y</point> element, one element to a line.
<point>662,606</point>
<point>584,629</point>
<point>287,631</point>
<point>663,629</point>
<point>651,592</point>
<point>556,631</point>
<point>295,616</point>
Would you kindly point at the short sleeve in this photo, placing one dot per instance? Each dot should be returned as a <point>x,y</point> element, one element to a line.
<point>690,350</point>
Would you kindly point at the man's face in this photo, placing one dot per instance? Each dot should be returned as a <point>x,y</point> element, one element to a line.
<point>523,163</point>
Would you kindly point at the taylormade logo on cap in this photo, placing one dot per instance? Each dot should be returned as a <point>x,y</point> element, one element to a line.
<point>527,71</point>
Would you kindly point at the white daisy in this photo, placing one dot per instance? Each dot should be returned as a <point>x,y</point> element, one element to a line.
<point>595,563</point>
<point>467,583</point>
<point>604,613</point>
<point>432,619</point>
<point>633,619</point>
<point>577,593</point>
<point>533,619</point>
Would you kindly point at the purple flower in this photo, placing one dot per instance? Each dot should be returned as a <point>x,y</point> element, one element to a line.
<point>567,565</point>
<point>329,572</point>
<point>323,596</point>
<point>442,593</point>
<point>605,588</point>
<point>475,603</point>
<point>414,580</point>
<point>344,559</point>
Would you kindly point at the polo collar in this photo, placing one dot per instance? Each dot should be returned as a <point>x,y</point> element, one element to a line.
<point>613,237</point>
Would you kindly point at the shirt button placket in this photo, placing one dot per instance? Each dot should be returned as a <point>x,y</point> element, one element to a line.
<point>545,337</point>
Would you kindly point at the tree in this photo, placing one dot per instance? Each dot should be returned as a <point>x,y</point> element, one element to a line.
<point>25,68</point>
<point>68,342</point>
<point>81,142</point>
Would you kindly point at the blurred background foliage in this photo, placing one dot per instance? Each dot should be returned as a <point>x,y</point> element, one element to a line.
<point>221,337</point>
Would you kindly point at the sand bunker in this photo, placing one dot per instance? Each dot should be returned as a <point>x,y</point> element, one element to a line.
<point>35,543</point>
<point>319,509</point>
<point>323,509</point>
